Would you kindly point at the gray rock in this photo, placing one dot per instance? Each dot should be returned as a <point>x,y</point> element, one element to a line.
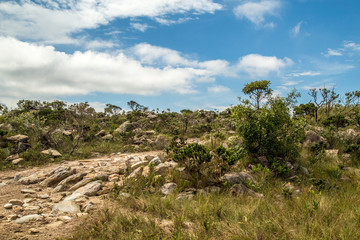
<point>136,173</point>
<point>164,168</point>
<point>17,177</point>
<point>107,137</point>
<point>58,175</point>
<point>29,218</point>
<point>312,137</point>
<point>241,189</point>
<point>237,177</point>
<point>16,202</point>
<point>125,127</point>
<point>8,206</point>
<point>89,189</point>
<point>80,184</point>
<point>28,191</point>
<point>160,142</point>
<point>101,133</point>
<point>66,206</point>
<point>32,179</point>
<point>2,184</point>
<point>72,179</point>
<point>17,161</point>
<point>12,157</point>
<point>168,188</point>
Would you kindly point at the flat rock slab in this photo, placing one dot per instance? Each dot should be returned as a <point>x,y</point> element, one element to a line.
<point>67,207</point>
<point>89,189</point>
<point>29,218</point>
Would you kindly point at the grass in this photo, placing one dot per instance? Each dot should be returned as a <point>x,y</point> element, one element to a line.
<point>332,213</point>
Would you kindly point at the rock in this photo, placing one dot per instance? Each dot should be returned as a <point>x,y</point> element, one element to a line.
<point>241,189</point>
<point>65,218</point>
<point>12,217</point>
<point>72,179</point>
<point>305,171</point>
<point>125,127</point>
<point>101,176</point>
<point>67,133</point>
<point>32,179</point>
<point>66,207</point>
<point>17,208</point>
<point>27,191</point>
<point>114,177</point>
<point>88,207</point>
<point>43,196</point>
<point>33,231</point>
<point>17,161</point>
<point>168,188</point>
<point>75,197</point>
<point>89,189</point>
<point>312,137</point>
<point>136,173</point>
<point>155,161</point>
<point>58,175</point>
<point>2,184</point>
<point>16,202</point>
<point>146,171</point>
<point>52,153</point>
<point>160,142</point>
<point>333,153</point>
<point>138,164</point>
<point>8,206</point>
<point>101,133</point>
<point>186,195</point>
<point>12,157</point>
<point>213,189</point>
<point>18,138</point>
<point>17,177</point>
<point>107,137</point>
<point>29,218</point>
<point>164,168</point>
<point>80,184</point>
<point>237,177</point>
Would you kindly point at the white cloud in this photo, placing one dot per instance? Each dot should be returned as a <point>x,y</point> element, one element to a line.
<point>302,74</point>
<point>99,44</point>
<point>333,52</point>
<point>169,22</point>
<point>291,83</point>
<point>255,11</point>
<point>218,89</point>
<point>54,21</point>
<point>142,27</point>
<point>261,66</point>
<point>352,46</point>
<point>296,30</point>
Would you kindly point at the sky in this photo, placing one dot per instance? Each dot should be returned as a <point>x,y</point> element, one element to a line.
<point>176,54</point>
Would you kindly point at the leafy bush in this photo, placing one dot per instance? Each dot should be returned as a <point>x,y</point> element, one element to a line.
<point>337,121</point>
<point>230,155</point>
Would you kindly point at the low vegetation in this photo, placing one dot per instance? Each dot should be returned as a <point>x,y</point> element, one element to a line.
<point>298,165</point>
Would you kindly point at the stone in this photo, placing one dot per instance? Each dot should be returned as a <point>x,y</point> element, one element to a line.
<point>89,189</point>
<point>125,127</point>
<point>333,153</point>
<point>264,161</point>
<point>74,197</point>
<point>312,137</point>
<point>16,202</point>
<point>66,207</point>
<point>101,176</point>
<point>164,168</point>
<point>51,152</point>
<point>34,230</point>
<point>17,177</point>
<point>17,208</point>
<point>43,196</point>
<point>8,206</point>
<point>237,177</point>
<point>29,218</point>
<point>72,179</point>
<point>12,217</point>
<point>160,142</point>
<point>101,133</point>
<point>146,171</point>
<point>17,161</point>
<point>88,207</point>
<point>186,195</point>
<point>155,161</point>
<point>80,184</point>
<point>27,191</point>
<point>65,218</point>
<point>305,171</point>
<point>12,157</point>
<point>241,189</point>
<point>58,175</point>
<point>18,138</point>
<point>32,179</point>
<point>168,188</point>
<point>136,173</point>
<point>138,164</point>
<point>107,137</point>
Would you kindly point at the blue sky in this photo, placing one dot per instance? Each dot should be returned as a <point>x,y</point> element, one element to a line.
<point>176,54</point>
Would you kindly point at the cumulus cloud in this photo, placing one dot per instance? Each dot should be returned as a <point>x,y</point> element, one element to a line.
<point>54,20</point>
<point>333,52</point>
<point>260,66</point>
<point>142,27</point>
<point>256,11</point>
<point>33,71</point>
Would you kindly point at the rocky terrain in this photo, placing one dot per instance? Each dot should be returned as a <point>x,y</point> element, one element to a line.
<point>48,202</point>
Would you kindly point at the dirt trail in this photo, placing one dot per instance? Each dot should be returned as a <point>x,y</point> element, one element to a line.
<point>37,200</point>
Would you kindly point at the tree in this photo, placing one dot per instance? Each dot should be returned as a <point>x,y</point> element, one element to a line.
<point>307,109</point>
<point>328,96</point>
<point>257,91</point>
<point>314,94</point>
<point>112,109</point>
<point>136,107</point>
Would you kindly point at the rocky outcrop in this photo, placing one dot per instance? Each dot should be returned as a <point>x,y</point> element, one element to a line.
<point>237,178</point>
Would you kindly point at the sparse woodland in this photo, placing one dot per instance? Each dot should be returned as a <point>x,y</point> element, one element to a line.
<point>266,168</point>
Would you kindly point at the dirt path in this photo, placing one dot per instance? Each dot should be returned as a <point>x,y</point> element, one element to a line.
<point>38,201</point>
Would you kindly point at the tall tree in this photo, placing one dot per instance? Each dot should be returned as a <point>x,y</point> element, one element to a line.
<point>257,91</point>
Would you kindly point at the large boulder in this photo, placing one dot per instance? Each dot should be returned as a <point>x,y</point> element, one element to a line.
<point>125,127</point>
<point>32,179</point>
<point>89,189</point>
<point>164,168</point>
<point>29,218</point>
<point>312,138</point>
<point>160,142</point>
